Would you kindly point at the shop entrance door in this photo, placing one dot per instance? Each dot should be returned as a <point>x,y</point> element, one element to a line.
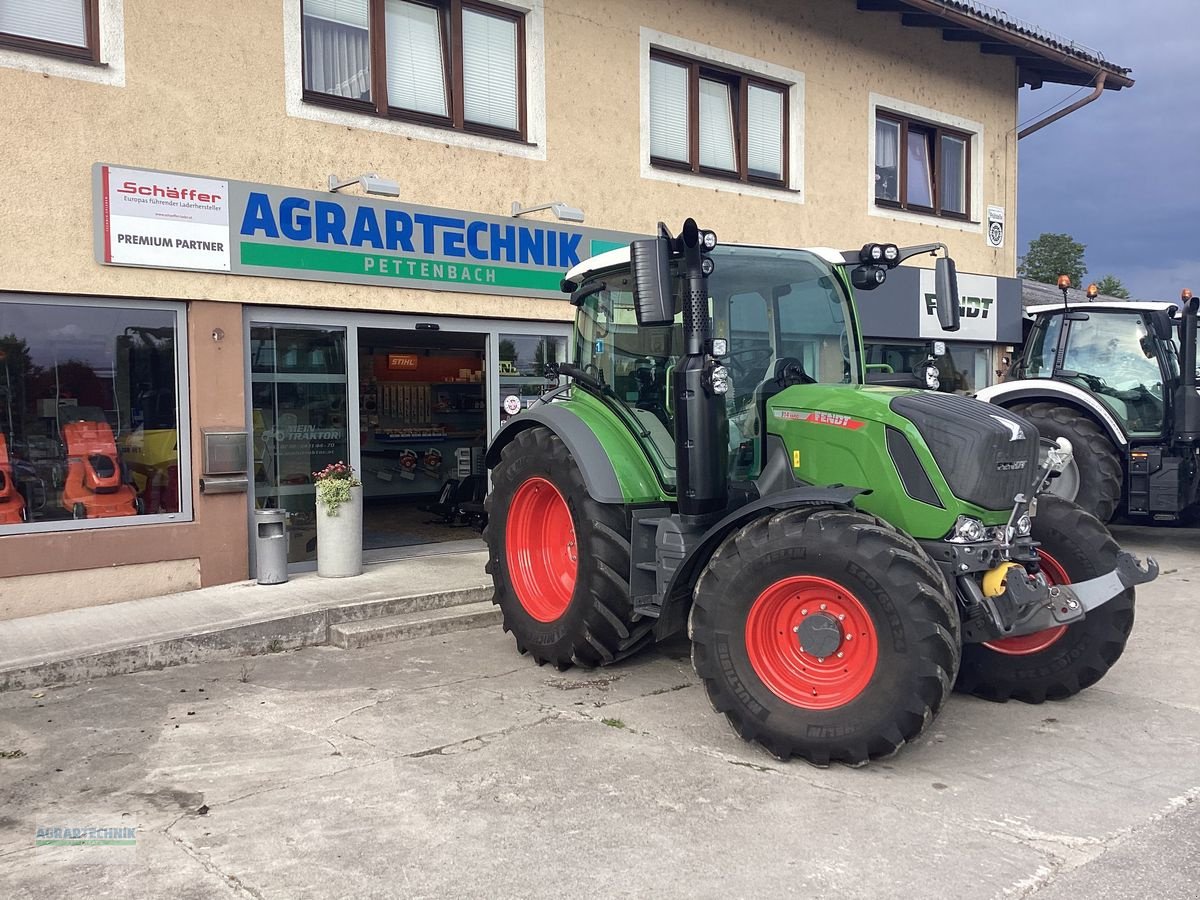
<point>423,424</point>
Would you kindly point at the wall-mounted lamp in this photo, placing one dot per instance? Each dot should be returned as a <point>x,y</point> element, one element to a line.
<point>370,183</point>
<point>561,211</point>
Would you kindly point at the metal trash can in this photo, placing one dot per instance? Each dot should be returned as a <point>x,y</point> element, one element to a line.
<point>271,545</point>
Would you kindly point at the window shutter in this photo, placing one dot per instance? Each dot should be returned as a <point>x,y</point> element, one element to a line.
<point>416,76</point>
<point>716,126</point>
<point>489,57</point>
<point>60,21</point>
<point>345,12</point>
<point>668,110</point>
<point>764,132</point>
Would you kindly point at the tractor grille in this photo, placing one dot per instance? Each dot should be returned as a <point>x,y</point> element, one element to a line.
<point>987,454</point>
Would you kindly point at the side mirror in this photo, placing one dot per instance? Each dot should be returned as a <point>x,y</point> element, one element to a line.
<point>946,289</point>
<point>653,298</point>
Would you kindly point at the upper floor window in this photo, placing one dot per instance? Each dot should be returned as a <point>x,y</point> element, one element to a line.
<point>715,121</point>
<point>68,28</point>
<point>922,167</point>
<point>451,63</point>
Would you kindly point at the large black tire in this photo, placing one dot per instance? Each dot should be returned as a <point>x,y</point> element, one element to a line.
<point>1045,666</point>
<point>1099,467</point>
<point>785,568</point>
<point>586,619</point>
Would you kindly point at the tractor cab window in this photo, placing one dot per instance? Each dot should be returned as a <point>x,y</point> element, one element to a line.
<point>1113,355</point>
<point>1042,347</point>
<point>634,365</point>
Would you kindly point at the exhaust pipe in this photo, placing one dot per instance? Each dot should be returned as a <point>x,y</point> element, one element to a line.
<point>701,429</point>
<point>1188,400</point>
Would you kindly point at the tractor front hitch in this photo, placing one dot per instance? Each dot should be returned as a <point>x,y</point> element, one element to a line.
<point>1025,604</point>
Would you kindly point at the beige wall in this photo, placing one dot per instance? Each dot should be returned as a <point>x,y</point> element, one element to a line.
<point>204,93</point>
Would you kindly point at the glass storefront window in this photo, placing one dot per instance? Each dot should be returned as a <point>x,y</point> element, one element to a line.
<point>90,412</point>
<point>964,369</point>
<point>299,417</point>
<point>523,359</point>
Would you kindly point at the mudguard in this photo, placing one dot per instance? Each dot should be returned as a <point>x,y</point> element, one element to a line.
<point>1034,390</point>
<point>594,440</point>
<point>678,596</point>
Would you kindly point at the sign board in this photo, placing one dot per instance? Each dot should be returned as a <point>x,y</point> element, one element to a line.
<point>169,221</point>
<point>978,311</point>
<point>402,360</point>
<point>995,226</point>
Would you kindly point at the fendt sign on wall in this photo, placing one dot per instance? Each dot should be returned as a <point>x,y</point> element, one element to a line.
<point>170,221</point>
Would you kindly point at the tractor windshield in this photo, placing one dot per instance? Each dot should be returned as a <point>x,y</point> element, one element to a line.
<point>770,304</point>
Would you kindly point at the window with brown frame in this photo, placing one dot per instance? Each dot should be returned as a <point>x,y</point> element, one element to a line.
<point>922,167</point>
<point>449,63</point>
<point>715,121</point>
<point>67,28</point>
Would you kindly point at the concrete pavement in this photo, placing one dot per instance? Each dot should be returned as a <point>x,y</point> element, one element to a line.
<point>451,766</point>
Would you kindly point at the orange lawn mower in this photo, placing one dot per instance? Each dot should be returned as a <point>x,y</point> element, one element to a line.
<point>12,504</point>
<point>97,486</point>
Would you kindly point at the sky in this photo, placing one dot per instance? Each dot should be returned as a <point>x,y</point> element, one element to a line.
<point>1121,175</point>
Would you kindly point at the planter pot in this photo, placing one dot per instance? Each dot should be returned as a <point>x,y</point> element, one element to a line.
<point>339,538</point>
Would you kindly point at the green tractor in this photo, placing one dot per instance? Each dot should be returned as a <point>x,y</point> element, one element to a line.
<point>840,553</point>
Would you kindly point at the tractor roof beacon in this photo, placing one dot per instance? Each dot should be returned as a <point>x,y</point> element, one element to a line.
<point>840,552</point>
<point>1117,380</point>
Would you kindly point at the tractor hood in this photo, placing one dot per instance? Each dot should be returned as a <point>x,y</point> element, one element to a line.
<point>950,454</point>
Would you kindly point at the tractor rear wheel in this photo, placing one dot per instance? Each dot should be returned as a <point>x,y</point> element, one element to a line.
<point>559,560</point>
<point>1096,476</point>
<point>1058,662</point>
<point>824,633</point>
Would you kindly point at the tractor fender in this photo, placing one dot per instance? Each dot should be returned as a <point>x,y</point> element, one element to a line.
<point>599,476</point>
<point>678,596</point>
<point>1045,390</point>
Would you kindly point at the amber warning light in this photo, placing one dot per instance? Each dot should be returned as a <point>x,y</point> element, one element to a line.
<point>1064,282</point>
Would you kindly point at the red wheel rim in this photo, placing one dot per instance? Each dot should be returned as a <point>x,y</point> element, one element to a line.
<point>543,559</point>
<point>1026,644</point>
<point>774,644</point>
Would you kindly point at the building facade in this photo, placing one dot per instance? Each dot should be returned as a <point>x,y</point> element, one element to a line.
<point>197,312</point>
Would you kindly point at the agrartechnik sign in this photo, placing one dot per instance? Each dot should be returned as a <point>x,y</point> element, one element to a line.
<point>170,221</point>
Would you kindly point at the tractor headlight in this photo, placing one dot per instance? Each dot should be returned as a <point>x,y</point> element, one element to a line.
<point>891,254</point>
<point>720,346</point>
<point>707,266</point>
<point>708,241</point>
<point>933,380</point>
<point>1024,525</point>
<point>968,530</point>
<point>720,379</point>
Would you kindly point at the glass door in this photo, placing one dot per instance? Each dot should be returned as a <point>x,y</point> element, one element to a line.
<point>298,390</point>
<point>523,361</point>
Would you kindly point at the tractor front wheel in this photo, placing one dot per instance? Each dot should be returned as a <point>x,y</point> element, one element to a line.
<point>1061,661</point>
<point>824,633</point>
<point>558,559</point>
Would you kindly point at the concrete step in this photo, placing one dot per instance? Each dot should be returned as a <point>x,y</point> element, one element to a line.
<point>409,625</point>
<point>394,606</point>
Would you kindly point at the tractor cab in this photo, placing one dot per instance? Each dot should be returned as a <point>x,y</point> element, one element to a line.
<point>782,316</point>
<point>1124,353</point>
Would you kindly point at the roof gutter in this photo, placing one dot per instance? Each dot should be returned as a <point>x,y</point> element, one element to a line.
<point>1097,90</point>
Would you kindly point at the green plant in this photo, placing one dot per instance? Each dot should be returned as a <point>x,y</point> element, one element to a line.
<point>334,483</point>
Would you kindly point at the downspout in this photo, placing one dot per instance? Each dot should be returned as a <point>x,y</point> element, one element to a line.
<point>1078,104</point>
